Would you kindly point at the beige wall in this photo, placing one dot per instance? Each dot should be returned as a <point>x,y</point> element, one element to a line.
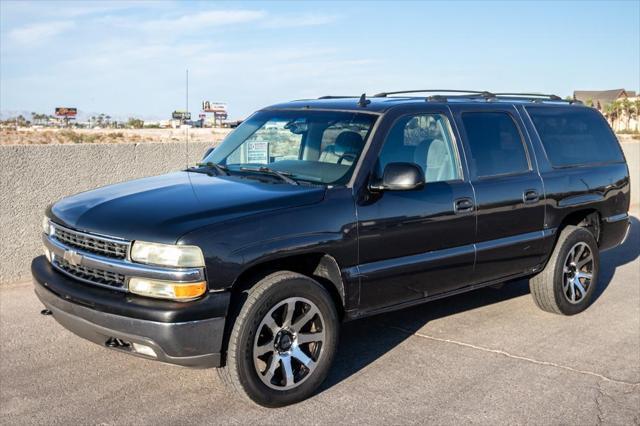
<point>32,177</point>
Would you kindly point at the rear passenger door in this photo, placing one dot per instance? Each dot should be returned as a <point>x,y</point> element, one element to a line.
<point>508,191</point>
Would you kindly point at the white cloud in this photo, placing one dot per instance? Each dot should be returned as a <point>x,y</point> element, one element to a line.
<point>299,21</point>
<point>39,32</point>
<point>135,61</point>
<point>218,18</point>
<point>197,21</point>
<point>53,10</point>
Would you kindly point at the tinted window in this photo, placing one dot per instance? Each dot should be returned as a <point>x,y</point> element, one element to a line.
<point>495,144</point>
<point>424,140</point>
<point>574,136</point>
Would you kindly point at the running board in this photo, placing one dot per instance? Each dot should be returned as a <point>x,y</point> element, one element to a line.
<point>355,314</point>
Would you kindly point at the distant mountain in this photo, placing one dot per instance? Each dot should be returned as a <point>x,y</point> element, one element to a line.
<point>7,114</point>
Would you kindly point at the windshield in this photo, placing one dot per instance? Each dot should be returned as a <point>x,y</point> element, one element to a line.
<point>315,146</point>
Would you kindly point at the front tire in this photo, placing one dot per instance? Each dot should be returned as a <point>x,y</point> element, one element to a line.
<point>567,284</point>
<point>283,341</point>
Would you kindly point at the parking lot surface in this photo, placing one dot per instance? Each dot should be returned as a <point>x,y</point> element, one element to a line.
<point>489,356</point>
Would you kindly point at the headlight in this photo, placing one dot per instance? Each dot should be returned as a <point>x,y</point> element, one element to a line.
<point>167,255</point>
<point>46,227</point>
<point>166,289</point>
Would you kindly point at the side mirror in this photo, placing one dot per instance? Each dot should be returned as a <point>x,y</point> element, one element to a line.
<point>399,177</point>
<point>207,152</point>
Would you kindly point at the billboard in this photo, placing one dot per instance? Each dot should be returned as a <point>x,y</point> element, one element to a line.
<point>215,107</point>
<point>66,112</point>
<point>181,115</point>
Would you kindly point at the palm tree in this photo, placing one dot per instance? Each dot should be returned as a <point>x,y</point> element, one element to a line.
<point>625,109</point>
<point>21,121</point>
<point>610,113</point>
<point>636,108</point>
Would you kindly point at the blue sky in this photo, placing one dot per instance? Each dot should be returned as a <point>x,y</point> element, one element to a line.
<point>129,58</point>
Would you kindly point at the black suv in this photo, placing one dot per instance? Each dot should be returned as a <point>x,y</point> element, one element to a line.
<point>319,211</point>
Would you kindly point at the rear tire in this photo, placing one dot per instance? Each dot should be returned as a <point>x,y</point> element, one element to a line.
<point>567,284</point>
<point>283,341</point>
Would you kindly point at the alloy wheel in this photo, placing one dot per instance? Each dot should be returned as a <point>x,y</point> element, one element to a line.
<point>577,273</point>
<point>288,343</point>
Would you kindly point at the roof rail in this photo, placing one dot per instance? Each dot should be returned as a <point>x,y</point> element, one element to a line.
<point>538,97</point>
<point>461,94</point>
<point>482,93</point>
<point>531,96</point>
<point>337,97</point>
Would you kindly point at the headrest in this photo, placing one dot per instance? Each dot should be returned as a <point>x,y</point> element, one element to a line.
<point>349,141</point>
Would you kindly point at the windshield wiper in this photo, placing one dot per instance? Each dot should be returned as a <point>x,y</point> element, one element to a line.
<point>220,169</point>
<point>268,171</point>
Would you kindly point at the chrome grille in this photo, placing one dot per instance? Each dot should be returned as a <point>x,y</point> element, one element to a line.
<point>96,276</point>
<point>91,243</point>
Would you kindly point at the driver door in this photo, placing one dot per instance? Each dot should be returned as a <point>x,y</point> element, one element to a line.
<point>419,243</point>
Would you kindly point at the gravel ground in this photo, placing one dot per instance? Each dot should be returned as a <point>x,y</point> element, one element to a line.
<point>485,357</point>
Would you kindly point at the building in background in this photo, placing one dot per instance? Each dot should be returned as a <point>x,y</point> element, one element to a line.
<point>619,106</point>
<point>599,98</point>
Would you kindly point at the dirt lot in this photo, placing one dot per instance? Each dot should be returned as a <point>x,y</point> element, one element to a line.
<point>71,136</point>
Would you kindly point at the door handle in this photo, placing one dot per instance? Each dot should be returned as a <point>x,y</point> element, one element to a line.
<point>463,205</point>
<point>530,196</point>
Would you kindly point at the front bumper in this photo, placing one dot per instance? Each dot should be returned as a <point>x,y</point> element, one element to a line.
<point>184,333</point>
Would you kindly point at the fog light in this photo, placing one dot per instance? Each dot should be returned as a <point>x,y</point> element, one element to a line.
<point>166,289</point>
<point>144,350</point>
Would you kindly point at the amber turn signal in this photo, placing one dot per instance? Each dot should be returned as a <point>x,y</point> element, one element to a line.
<point>167,289</point>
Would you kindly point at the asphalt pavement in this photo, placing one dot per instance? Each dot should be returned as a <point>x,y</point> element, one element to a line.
<point>486,357</point>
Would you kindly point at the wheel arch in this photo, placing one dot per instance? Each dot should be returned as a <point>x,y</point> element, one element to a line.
<point>317,265</point>
<point>320,266</point>
<point>589,218</point>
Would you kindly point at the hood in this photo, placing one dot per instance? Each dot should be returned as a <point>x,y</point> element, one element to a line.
<point>163,208</point>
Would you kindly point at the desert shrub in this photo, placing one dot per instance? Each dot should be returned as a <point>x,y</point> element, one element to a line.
<point>71,136</point>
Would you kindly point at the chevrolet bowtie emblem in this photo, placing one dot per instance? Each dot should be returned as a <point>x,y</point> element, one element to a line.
<point>73,257</point>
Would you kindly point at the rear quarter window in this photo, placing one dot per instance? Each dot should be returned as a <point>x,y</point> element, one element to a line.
<point>575,136</point>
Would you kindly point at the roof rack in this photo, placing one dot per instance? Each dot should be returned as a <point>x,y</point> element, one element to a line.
<point>538,97</point>
<point>531,95</point>
<point>482,93</point>
<point>338,97</point>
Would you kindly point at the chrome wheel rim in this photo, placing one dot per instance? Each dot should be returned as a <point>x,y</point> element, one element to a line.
<point>289,343</point>
<point>577,274</point>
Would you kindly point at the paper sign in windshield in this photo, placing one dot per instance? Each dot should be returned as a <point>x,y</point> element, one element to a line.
<point>258,152</point>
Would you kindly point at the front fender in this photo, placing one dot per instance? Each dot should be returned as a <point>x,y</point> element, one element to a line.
<point>231,248</point>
